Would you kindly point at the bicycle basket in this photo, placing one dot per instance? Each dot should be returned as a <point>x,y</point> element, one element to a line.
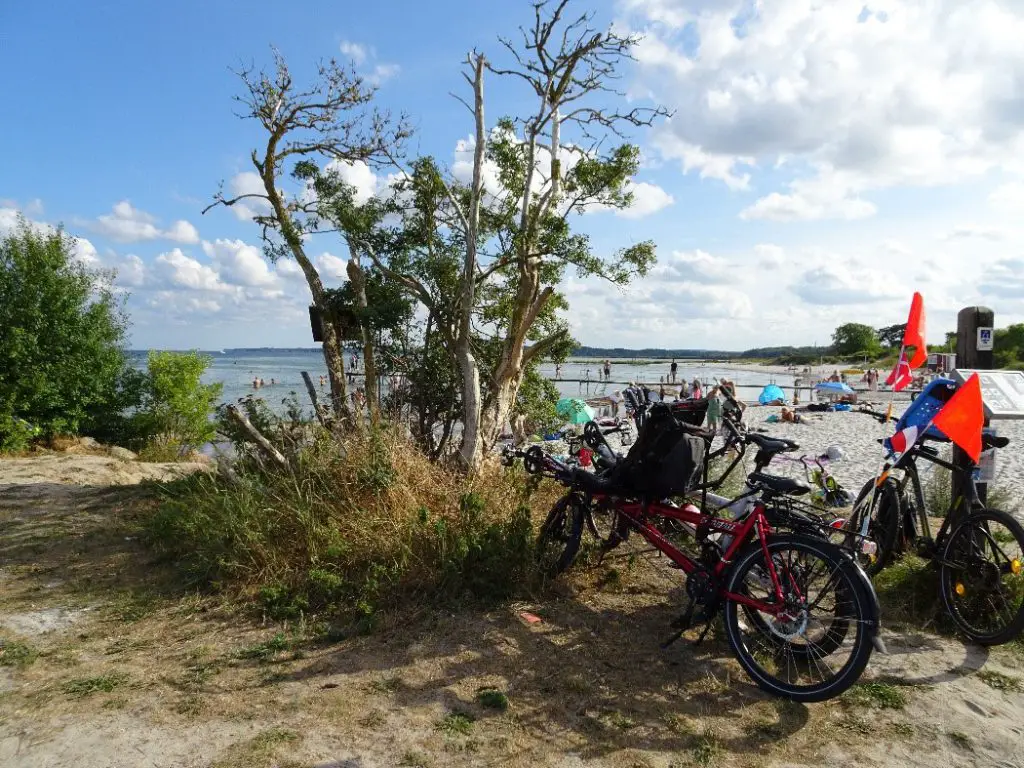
<point>665,459</point>
<point>924,407</point>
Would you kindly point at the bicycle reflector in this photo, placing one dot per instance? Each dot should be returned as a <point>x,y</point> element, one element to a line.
<point>837,524</point>
<point>1015,566</point>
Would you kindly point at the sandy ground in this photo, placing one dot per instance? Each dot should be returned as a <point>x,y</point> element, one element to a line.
<point>107,663</point>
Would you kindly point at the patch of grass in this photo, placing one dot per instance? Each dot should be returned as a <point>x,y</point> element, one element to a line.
<point>878,695</point>
<point>265,651</point>
<point>373,720</point>
<point>257,751</point>
<point>577,683</point>
<point>81,687</point>
<point>902,729</point>
<point>999,681</point>
<point>16,654</point>
<point>961,740</point>
<point>130,607</point>
<point>706,748</point>
<point>414,759</point>
<point>621,721</point>
<point>189,706</point>
<point>856,724</point>
<point>388,684</point>
<point>909,591</point>
<point>346,536</point>
<point>491,698</point>
<point>456,724</point>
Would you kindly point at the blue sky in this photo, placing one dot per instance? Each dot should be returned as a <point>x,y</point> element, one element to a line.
<point>824,161</point>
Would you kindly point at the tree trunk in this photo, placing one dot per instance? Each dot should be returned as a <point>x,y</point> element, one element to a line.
<point>471,452</point>
<point>357,276</point>
<point>332,339</point>
<point>317,408</point>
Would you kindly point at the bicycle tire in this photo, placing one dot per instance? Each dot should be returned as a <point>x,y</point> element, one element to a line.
<point>962,568</point>
<point>853,593</point>
<point>883,530</point>
<point>558,542</point>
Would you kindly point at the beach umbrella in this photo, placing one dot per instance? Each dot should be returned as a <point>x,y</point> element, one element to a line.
<point>771,394</point>
<point>834,388</point>
<point>574,410</point>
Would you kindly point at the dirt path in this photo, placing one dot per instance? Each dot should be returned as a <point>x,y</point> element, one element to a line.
<point>106,663</point>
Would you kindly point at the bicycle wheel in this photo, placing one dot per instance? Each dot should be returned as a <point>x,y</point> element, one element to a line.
<point>559,540</point>
<point>982,577</point>
<point>883,529</point>
<point>819,644</point>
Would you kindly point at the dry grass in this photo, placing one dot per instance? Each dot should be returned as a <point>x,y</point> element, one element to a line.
<point>356,523</point>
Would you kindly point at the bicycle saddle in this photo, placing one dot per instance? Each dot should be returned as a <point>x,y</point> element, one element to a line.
<point>992,441</point>
<point>594,483</point>
<point>778,484</point>
<point>771,445</point>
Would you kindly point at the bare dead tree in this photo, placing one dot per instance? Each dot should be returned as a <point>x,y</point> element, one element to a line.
<point>329,121</point>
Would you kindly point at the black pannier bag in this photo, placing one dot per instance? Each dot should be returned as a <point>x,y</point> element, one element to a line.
<point>666,458</point>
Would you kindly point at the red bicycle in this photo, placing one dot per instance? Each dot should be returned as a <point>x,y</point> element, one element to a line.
<point>799,614</point>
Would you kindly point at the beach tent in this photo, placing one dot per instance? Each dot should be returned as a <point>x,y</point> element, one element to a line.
<point>574,410</point>
<point>771,394</point>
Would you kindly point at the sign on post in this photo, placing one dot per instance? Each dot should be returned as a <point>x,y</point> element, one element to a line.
<point>1001,391</point>
<point>985,336</point>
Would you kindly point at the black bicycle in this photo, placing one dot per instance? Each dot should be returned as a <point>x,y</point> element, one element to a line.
<point>979,551</point>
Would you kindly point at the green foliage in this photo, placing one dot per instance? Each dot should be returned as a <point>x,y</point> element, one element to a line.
<point>62,337</point>
<point>330,535</point>
<point>537,398</point>
<point>81,687</point>
<point>491,698</point>
<point>16,654</point>
<point>877,695</point>
<point>855,339</point>
<point>174,416</point>
<point>1008,347</point>
<point>891,336</point>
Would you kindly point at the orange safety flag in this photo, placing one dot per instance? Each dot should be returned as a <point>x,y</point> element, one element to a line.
<point>962,418</point>
<point>913,336</point>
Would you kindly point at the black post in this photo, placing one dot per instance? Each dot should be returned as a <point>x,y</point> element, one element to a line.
<point>968,356</point>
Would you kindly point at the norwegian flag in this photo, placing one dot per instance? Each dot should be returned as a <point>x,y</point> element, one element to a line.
<point>902,440</point>
<point>900,377</point>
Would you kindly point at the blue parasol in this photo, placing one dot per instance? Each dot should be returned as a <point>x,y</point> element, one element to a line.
<point>834,388</point>
<point>771,394</point>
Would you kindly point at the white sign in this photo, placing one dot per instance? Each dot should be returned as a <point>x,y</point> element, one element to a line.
<point>985,339</point>
<point>1001,391</point>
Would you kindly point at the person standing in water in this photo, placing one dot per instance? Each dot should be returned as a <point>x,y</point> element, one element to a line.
<point>607,371</point>
<point>672,370</point>
<point>714,410</point>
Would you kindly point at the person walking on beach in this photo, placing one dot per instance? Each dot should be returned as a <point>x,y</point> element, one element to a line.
<point>696,391</point>
<point>558,371</point>
<point>616,398</point>
<point>684,391</point>
<point>672,370</point>
<point>714,410</point>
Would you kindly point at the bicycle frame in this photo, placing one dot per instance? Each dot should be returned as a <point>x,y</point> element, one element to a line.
<point>639,515</point>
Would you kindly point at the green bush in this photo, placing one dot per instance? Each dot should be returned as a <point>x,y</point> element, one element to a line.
<point>174,416</point>
<point>62,338</point>
<point>350,526</point>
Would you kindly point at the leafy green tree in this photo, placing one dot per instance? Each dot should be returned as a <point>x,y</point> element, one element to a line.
<point>891,336</point>
<point>1008,346</point>
<point>63,366</point>
<point>174,417</point>
<point>855,339</point>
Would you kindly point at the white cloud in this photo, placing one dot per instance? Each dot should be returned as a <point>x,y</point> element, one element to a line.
<point>248,183</point>
<point>128,224</point>
<point>331,266</point>
<point>1008,198</point>
<point>131,271</point>
<point>356,174</point>
<point>354,51</point>
<point>833,284</point>
<point>647,199</point>
<point>860,97</point>
<point>691,266</point>
<point>769,256</point>
<point>239,263</point>
<point>971,231</point>
<point>383,72</point>
<point>185,272</point>
<point>1004,280</point>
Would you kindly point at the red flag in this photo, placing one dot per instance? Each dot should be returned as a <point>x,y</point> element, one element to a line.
<point>962,418</point>
<point>913,336</point>
<point>900,377</point>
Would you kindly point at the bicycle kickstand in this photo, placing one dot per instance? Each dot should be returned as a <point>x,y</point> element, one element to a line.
<point>684,622</point>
